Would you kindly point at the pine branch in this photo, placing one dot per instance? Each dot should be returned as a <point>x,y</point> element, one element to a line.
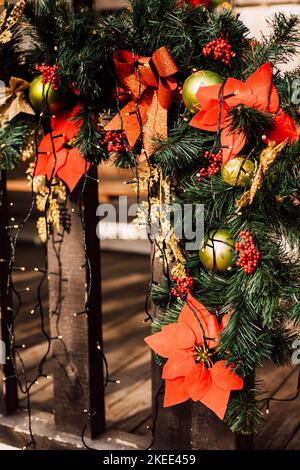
<point>252,122</point>
<point>244,412</point>
<point>88,137</point>
<point>182,150</point>
<point>13,137</point>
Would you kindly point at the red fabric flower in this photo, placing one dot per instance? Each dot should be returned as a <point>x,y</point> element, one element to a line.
<point>190,372</point>
<point>257,92</point>
<point>56,157</point>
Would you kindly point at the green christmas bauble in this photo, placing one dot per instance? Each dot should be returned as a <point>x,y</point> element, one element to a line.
<point>38,93</point>
<point>192,85</point>
<point>217,251</point>
<point>238,171</point>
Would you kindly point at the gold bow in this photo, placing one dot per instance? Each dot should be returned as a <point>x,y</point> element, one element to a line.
<point>13,101</point>
<point>7,21</point>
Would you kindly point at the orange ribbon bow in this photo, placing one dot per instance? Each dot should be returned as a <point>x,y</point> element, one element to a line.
<point>151,86</point>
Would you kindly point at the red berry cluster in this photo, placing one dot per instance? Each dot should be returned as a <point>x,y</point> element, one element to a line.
<point>248,253</point>
<point>116,142</point>
<point>221,50</point>
<point>184,286</point>
<point>215,163</point>
<point>49,73</point>
<point>120,94</point>
<point>74,89</point>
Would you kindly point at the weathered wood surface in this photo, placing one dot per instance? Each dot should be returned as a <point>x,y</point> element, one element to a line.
<point>281,426</point>
<point>14,431</point>
<point>75,288</point>
<point>8,384</point>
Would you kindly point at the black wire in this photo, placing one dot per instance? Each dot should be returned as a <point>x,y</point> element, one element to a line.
<point>89,290</point>
<point>25,389</point>
<point>267,400</point>
<point>26,386</point>
<point>155,416</point>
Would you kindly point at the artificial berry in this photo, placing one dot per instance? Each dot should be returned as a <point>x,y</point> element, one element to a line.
<point>120,94</point>
<point>116,142</point>
<point>74,89</point>
<point>214,165</point>
<point>49,73</point>
<point>184,285</point>
<point>248,253</point>
<point>221,50</point>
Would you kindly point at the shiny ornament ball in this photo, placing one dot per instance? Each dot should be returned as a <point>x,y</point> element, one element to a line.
<point>217,251</point>
<point>193,83</point>
<point>39,92</point>
<point>238,171</point>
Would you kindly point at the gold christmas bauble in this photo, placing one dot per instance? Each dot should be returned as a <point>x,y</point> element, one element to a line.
<point>193,83</point>
<point>238,171</point>
<point>38,93</point>
<point>217,251</point>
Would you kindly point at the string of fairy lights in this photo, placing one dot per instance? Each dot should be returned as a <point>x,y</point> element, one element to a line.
<point>25,385</point>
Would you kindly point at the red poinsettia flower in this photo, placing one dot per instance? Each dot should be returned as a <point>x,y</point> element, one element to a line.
<point>57,155</point>
<point>257,92</point>
<point>191,371</point>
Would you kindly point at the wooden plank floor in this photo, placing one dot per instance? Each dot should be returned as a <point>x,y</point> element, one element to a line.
<point>125,280</point>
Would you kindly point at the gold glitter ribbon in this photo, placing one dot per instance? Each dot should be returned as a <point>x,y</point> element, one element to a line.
<point>8,21</point>
<point>151,85</point>
<point>13,101</point>
<point>266,160</point>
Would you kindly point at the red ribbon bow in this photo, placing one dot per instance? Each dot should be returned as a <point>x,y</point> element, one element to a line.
<point>257,92</point>
<point>56,156</point>
<point>151,86</point>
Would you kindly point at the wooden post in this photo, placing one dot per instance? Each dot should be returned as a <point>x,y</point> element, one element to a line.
<point>244,442</point>
<point>78,365</point>
<point>190,425</point>
<point>8,383</point>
